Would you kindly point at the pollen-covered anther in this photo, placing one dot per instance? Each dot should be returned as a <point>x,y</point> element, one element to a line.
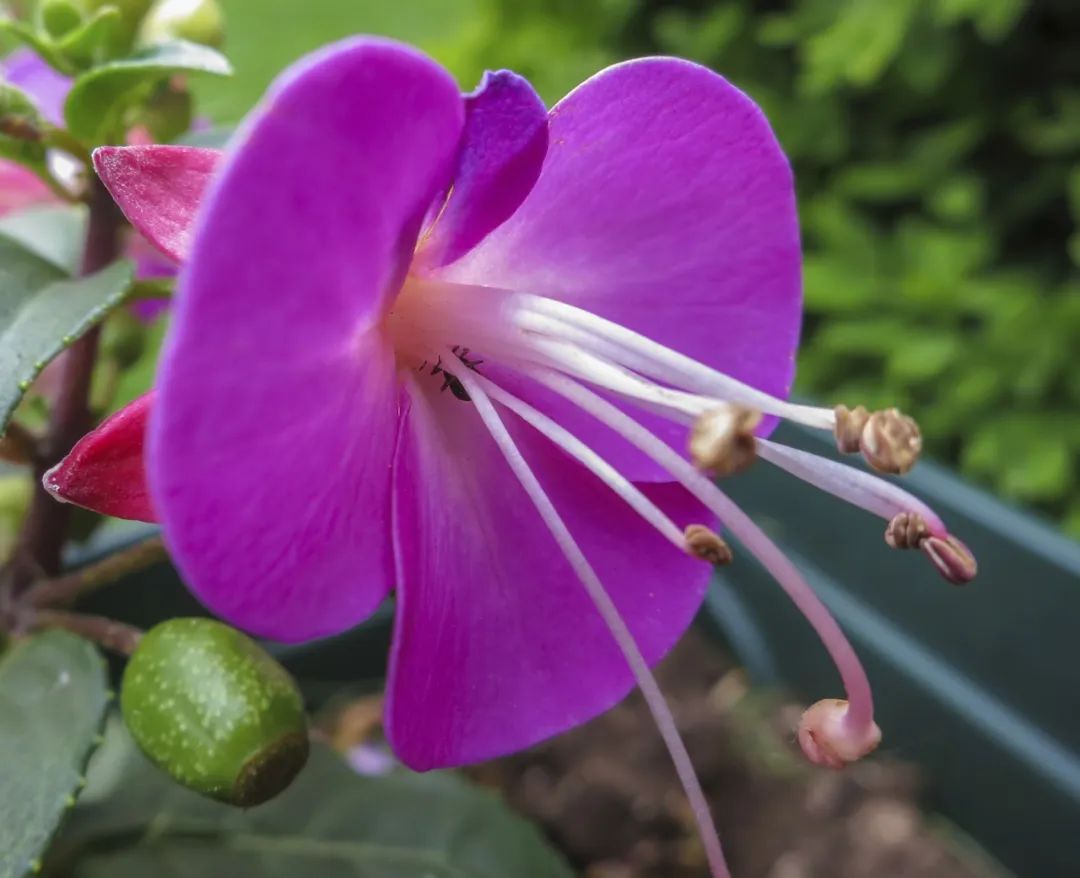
<point>827,738</point>
<point>907,530</point>
<point>706,544</point>
<point>953,560</point>
<point>891,441</point>
<point>849,427</point>
<point>722,439</point>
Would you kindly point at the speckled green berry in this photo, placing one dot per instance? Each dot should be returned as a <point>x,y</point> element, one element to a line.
<point>197,21</point>
<point>209,706</point>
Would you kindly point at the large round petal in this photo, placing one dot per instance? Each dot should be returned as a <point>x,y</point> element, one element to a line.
<point>497,645</point>
<point>666,204</point>
<point>273,433</point>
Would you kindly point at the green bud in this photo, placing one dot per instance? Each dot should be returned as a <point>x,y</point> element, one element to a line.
<point>167,113</point>
<point>214,710</point>
<point>198,21</point>
<point>61,17</point>
<point>131,14</point>
<point>123,338</point>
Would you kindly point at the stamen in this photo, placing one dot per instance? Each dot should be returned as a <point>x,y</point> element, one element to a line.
<point>573,360</point>
<point>614,621</point>
<point>540,314</point>
<point>855,731</point>
<point>577,449</point>
<point>889,440</point>
<point>722,440</point>
<point>708,545</point>
<point>912,524</point>
<point>856,486</point>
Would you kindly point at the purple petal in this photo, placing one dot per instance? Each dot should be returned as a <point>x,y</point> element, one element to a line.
<point>271,447</point>
<point>24,69</point>
<point>502,151</point>
<point>665,204</point>
<point>497,646</point>
<point>159,189</point>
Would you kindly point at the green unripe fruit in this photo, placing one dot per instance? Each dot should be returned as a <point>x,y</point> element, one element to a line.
<point>198,21</point>
<point>210,707</point>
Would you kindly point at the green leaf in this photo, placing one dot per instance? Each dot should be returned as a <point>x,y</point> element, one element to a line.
<point>331,822</point>
<point>99,97</point>
<point>55,232</point>
<point>53,694</point>
<point>40,43</point>
<point>91,42</point>
<point>40,314</point>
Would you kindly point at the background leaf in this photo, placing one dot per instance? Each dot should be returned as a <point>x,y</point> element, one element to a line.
<point>55,232</point>
<point>41,315</point>
<point>95,106</point>
<point>331,822</point>
<point>53,695</point>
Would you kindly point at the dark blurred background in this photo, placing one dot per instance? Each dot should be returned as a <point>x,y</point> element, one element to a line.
<point>937,150</point>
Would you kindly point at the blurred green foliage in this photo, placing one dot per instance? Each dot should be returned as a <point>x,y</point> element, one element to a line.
<point>937,149</point>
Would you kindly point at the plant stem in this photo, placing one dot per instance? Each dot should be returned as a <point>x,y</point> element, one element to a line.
<point>107,633</point>
<point>46,525</point>
<point>65,590</point>
<point>18,445</point>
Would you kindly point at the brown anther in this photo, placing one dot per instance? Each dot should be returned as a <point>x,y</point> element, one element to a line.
<point>953,560</point>
<point>907,530</point>
<point>849,427</point>
<point>891,441</point>
<point>722,439</point>
<point>706,544</point>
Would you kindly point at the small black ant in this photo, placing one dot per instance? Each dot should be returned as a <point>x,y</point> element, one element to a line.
<point>449,380</point>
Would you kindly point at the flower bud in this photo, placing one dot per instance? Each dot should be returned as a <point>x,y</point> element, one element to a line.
<point>827,739</point>
<point>210,707</point>
<point>60,17</point>
<point>198,21</point>
<point>131,13</point>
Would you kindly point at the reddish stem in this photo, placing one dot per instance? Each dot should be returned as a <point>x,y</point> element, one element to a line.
<point>46,525</point>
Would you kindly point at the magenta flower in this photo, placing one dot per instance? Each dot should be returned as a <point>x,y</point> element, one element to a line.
<point>448,347</point>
